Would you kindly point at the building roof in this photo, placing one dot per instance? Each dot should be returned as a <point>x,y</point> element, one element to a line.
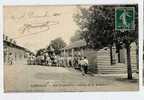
<point>12,43</point>
<point>16,46</point>
<point>76,44</point>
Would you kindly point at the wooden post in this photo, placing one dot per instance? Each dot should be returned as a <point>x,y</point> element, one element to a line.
<point>72,56</point>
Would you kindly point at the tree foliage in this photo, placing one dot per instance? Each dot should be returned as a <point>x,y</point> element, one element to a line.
<point>97,27</point>
<point>57,44</point>
<point>77,36</point>
<point>40,51</point>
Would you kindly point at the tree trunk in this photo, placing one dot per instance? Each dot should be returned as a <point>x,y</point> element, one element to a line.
<point>119,56</point>
<point>129,68</point>
<point>111,57</point>
<point>137,55</point>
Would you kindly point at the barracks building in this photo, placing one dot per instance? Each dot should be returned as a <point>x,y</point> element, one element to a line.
<point>19,53</point>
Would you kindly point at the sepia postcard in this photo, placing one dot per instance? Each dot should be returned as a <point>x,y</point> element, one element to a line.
<point>70,48</point>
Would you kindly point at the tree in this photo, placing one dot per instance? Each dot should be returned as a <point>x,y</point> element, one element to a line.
<point>77,36</point>
<point>57,44</point>
<point>98,27</point>
<point>129,37</point>
<point>40,51</point>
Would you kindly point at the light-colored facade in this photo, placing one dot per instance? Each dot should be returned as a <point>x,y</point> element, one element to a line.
<point>18,54</point>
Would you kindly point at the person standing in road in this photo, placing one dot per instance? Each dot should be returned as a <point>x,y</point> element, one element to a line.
<point>84,65</point>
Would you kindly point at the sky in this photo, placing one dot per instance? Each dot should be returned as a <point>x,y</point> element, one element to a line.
<point>33,27</point>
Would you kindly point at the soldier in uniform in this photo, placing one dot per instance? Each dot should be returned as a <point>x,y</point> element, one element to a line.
<point>84,65</point>
<point>10,59</point>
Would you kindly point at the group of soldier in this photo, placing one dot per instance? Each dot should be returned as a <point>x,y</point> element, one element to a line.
<point>77,61</point>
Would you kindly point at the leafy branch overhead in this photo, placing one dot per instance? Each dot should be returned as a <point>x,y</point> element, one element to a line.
<point>97,27</point>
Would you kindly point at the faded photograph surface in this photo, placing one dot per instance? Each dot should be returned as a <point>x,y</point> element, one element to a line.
<point>70,48</point>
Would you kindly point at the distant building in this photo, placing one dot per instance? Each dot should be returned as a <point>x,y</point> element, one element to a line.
<point>19,54</point>
<point>99,60</point>
<point>76,48</point>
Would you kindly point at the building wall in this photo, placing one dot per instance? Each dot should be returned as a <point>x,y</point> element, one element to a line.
<point>104,65</point>
<point>123,56</point>
<point>134,55</point>
<point>103,57</point>
<point>100,61</point>
<point>19,55</point>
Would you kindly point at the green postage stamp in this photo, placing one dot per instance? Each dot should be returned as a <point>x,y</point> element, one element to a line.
<point>124,18</point>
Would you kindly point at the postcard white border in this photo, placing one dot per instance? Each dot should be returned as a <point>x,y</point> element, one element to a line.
<point>138,95</point>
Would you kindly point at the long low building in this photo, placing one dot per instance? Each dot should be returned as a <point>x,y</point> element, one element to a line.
<point>19,53</point>
<point>100,60</point>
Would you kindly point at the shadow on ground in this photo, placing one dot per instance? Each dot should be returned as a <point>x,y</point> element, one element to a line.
<point>127,80</point>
